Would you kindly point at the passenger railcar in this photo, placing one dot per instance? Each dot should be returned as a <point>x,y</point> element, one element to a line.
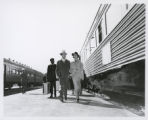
<point>114,50</point>
<point>13,71</point>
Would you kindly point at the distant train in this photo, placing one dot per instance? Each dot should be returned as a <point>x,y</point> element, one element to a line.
<point>13,71</point>
<point>114,50</point>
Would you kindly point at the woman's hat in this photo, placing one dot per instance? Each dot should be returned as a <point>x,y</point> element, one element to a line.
<point>75,53</point>
<point>63,52</point>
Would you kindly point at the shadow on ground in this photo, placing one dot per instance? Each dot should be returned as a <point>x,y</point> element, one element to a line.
<point>91,103</point>
<point>85,95</point>
<point>36,94</point>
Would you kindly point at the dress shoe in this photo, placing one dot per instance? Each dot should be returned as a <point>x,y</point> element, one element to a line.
<point>51,96</point>
<point>61,99</point>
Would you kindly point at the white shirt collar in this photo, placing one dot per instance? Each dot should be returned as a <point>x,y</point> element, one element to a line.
<point>63,60</point>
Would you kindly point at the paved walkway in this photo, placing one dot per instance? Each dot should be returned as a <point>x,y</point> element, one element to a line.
<point>35,104</point>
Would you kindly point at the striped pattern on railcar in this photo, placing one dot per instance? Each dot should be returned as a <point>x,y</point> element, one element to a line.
<point>127,42</point>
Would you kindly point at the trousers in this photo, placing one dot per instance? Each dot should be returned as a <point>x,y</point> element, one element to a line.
<point>64,86</point>
<point>53,86</point>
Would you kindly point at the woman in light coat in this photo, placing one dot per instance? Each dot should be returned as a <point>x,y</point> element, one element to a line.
<point>76,70</point>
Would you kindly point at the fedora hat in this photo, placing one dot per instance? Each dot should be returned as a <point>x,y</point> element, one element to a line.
<point>63,52</point>
<point>51,59</point>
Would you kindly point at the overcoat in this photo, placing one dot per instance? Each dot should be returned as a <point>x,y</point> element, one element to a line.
<point>62,71</point>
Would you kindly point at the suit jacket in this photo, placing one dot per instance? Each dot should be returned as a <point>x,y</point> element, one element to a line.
<point>62,70</point>
<point>51,73</point>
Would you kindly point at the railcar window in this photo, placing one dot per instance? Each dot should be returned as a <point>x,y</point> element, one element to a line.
<point>105,23</point>
<point>97,37</point>
<point>100,33</point>
<point>113,16</point>
<point>88,51</point>
<point>92,44</point>
<point>13,71</point>
<point>104,30</point>
<point>106,54</point>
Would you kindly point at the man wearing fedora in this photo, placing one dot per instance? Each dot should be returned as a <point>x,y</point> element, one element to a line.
<point>62,71</point>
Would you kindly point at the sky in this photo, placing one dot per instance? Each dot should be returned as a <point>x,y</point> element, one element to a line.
<point>33,31</point>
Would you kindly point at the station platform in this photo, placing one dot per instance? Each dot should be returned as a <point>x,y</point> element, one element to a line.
<point>35,104</point>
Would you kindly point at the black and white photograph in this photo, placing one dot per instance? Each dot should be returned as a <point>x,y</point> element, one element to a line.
<point>72,59</point>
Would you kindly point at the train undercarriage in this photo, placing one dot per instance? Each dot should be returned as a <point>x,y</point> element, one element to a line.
<point>129,79</point>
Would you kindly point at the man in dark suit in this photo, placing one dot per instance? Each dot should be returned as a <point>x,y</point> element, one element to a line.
<point>62,71</point>
<point>51,76</point>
